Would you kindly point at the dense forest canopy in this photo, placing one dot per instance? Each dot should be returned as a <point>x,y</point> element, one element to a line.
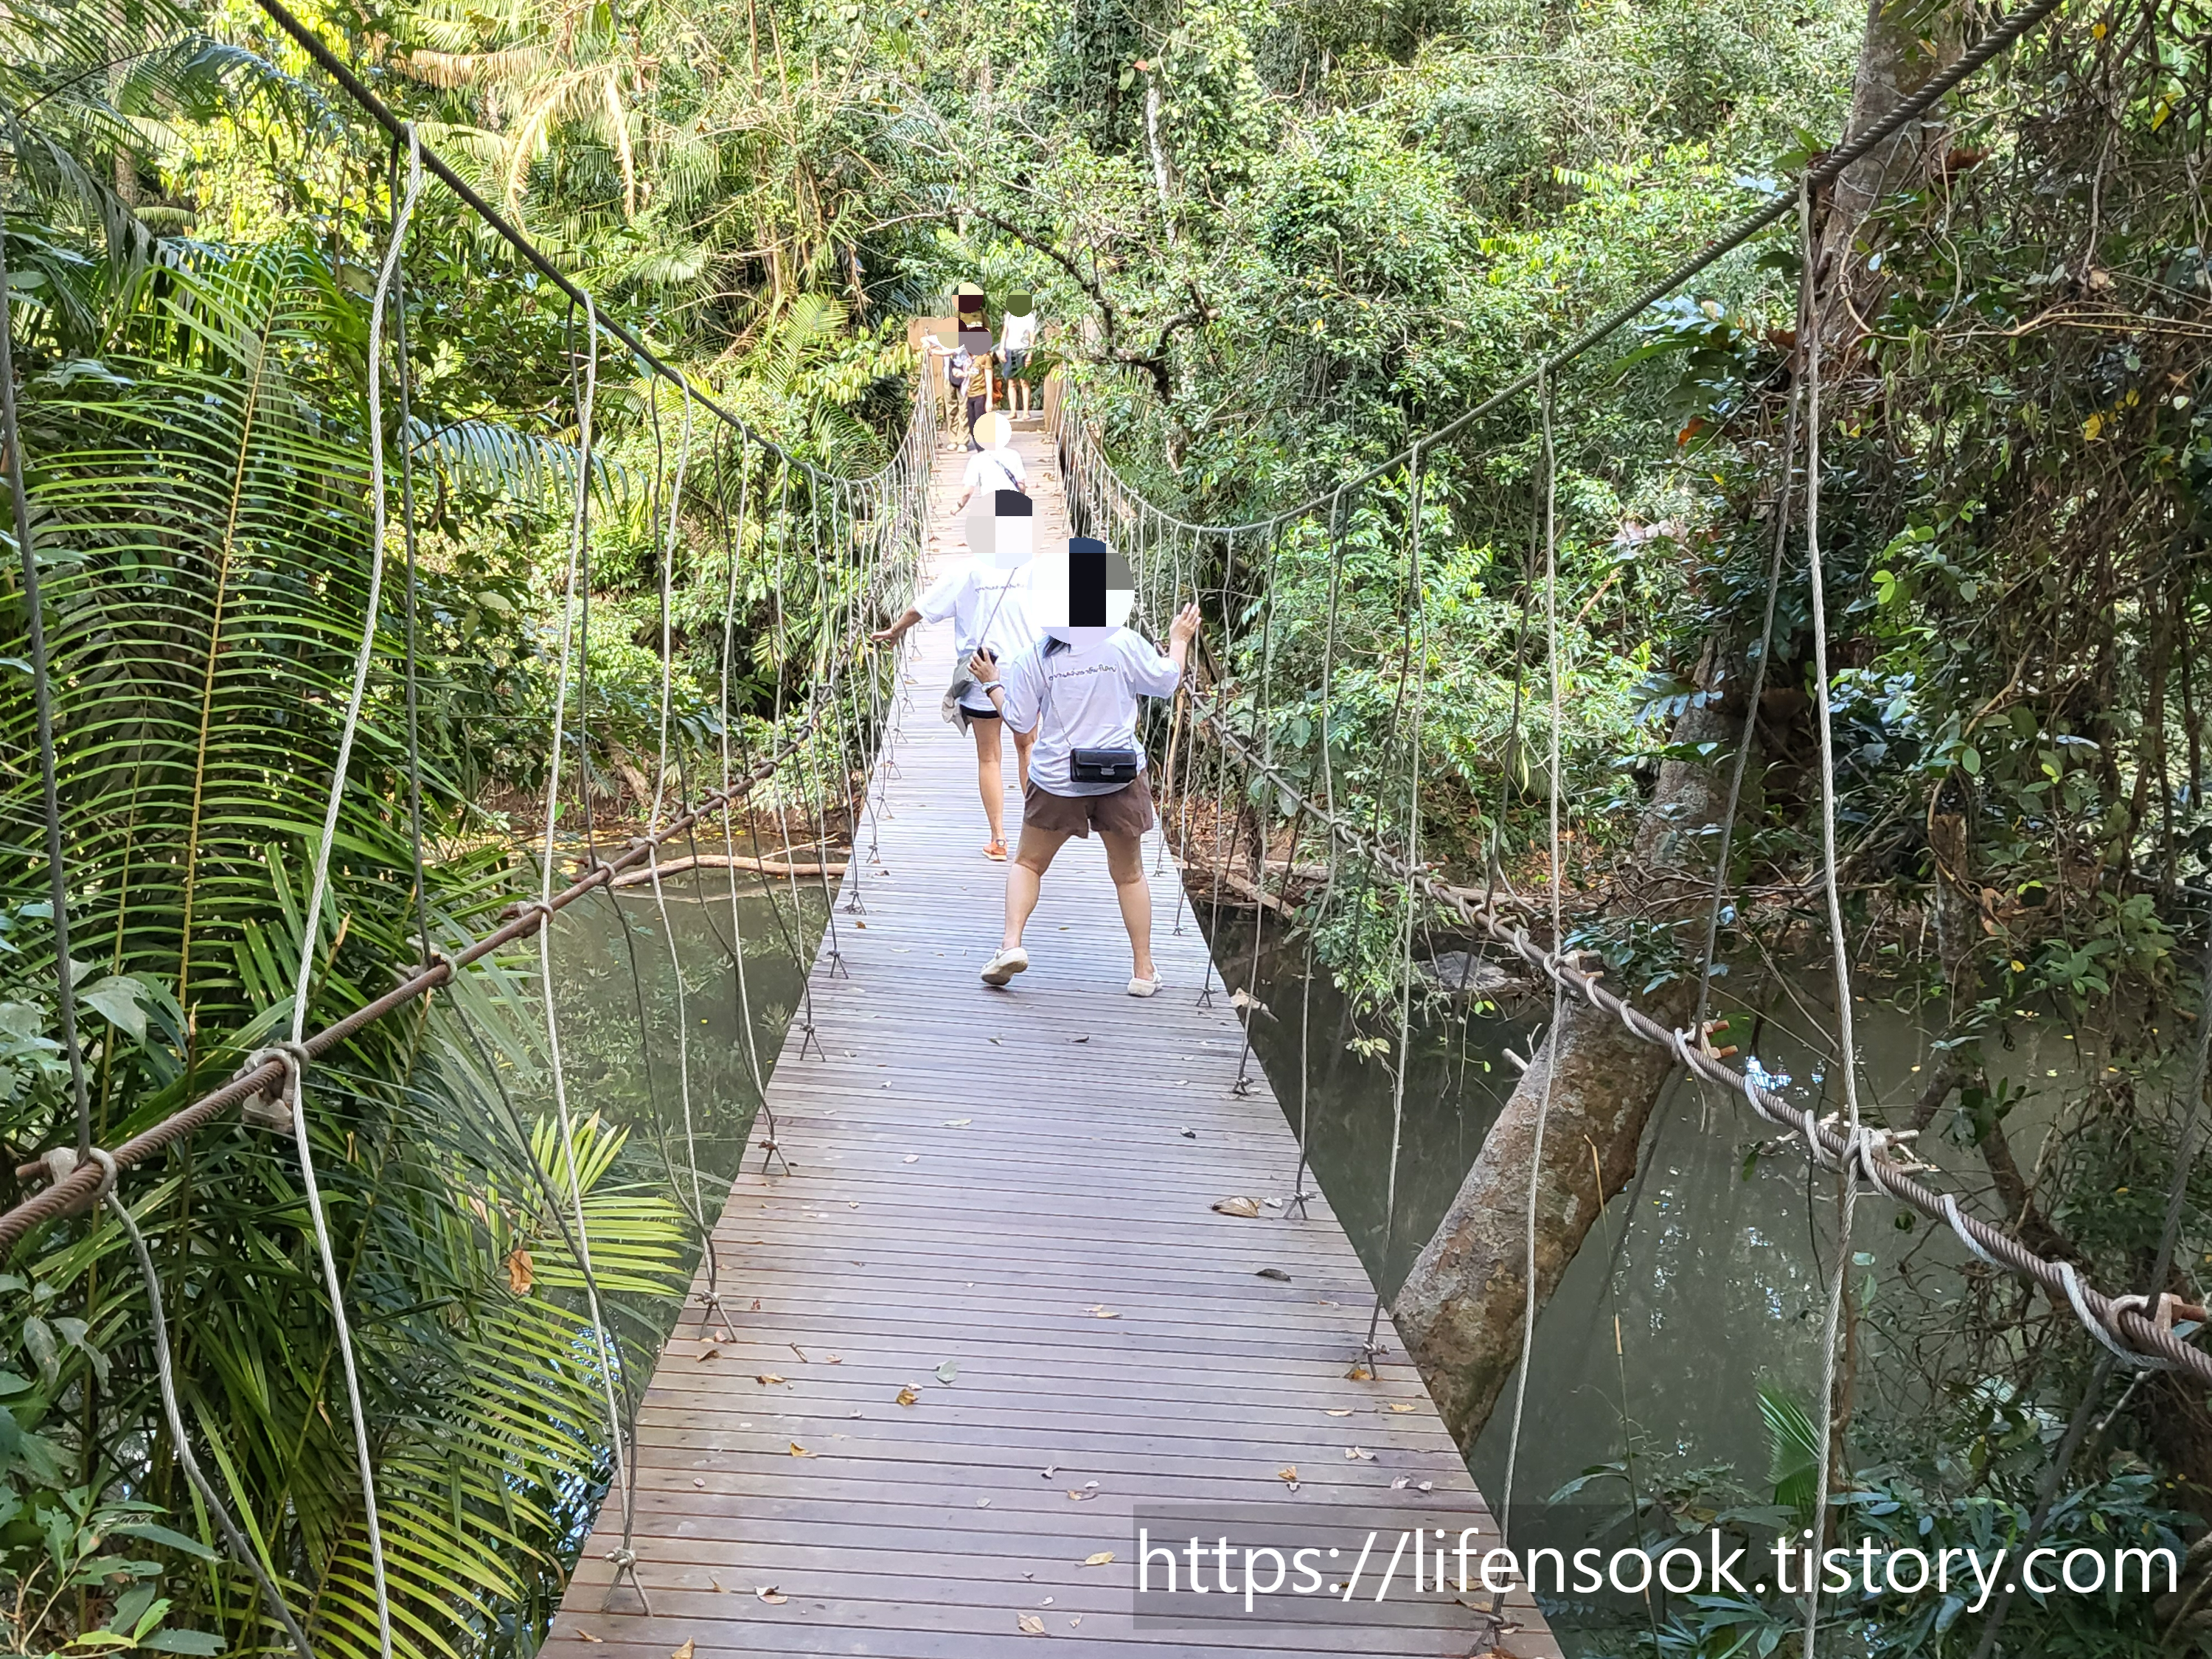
<point>1274,242</point>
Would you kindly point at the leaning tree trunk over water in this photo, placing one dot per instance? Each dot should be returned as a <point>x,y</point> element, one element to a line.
<point>1459,1311</point>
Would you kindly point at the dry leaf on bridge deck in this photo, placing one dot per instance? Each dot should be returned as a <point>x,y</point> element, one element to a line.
<point>1244,1209</point>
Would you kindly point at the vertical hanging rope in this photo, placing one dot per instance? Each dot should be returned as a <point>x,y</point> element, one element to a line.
<point>624,1556</point>
<point>1750,735</point>
<point>711,1296</point>
<point>403,380</point>
<point>42,696</point>
<point>827,615</point>
<point>809,1038</point>
<point>1264,811</point>
<point>1179,708</point>
<point>1847,1041</point>
<point>1298,1193</point>
<point>1549,461</point>
<point>319,891</point>
<point>735,539</point>
<point>1416,650</point>
<point>1181,569</point>
<point>1225,779</point>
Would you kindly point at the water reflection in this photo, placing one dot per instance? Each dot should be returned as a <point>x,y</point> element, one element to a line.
<point>616,992</point>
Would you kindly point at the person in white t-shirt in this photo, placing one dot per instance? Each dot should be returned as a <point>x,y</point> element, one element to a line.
<point>987,600</point>
<point>1076,689</point>
<point>997,464</point>
<point>1017,333</point>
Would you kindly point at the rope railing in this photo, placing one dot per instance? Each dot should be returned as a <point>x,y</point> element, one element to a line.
<point>2119,1324</point>
<point>73,1181</point>
<point>75,1184</point>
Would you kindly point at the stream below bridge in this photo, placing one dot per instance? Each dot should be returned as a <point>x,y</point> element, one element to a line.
<point>1707,1268</point>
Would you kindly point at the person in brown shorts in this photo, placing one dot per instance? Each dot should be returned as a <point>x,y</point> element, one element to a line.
<point>1076,689</point>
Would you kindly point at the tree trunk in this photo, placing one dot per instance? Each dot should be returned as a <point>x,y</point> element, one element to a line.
<point>1459,1311</point>
<point>1162,181</point>
<point>1461,1308</point>
<point>1895,61</point>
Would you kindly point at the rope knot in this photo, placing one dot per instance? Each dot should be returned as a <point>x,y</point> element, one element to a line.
<point>57,1163</point>
<point>433,958</point>
<point>270,1107</point>
<point>103,1161</point>
<point>2107,1330</point>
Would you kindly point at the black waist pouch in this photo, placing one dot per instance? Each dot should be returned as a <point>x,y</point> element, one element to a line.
<point>1103,765</point>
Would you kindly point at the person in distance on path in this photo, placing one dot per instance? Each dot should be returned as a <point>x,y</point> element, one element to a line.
<point>987,600</point>
<point>1077,690</point>
<point>995,463</point>
<point>1016,339</point>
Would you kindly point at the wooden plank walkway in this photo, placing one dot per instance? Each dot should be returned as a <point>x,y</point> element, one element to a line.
<point>1017,1186</point>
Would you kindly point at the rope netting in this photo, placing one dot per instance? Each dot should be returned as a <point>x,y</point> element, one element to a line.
<point>1237,710</point>
<point>1237,815</point>
<point>831,550</point>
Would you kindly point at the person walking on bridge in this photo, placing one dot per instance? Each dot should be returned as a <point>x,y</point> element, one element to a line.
<point>989,602</point>
<point>1076,690</point>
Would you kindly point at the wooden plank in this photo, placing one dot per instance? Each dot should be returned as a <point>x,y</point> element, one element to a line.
<point>970,1183</point>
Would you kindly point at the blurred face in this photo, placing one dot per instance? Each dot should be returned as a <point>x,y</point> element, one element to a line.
<point>1084,591</point>
<point>1012,543</point>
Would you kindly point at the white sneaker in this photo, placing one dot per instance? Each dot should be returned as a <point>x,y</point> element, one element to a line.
<point>1144,987</point>
<point>1004,965</point>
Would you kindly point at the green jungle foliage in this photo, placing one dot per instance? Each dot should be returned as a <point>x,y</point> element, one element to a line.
<point>1275,241</point>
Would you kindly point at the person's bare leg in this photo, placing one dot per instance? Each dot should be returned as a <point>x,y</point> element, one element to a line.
<point>990,778</point>
<point>1125,861</point>
<point>1025,875</point>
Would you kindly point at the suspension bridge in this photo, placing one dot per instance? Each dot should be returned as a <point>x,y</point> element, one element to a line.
<point>1000,1291</point>
<point>1008,1276</point>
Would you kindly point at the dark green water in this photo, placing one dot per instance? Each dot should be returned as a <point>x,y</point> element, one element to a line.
<point>1707,1278</point>
<point>1712,1267</point>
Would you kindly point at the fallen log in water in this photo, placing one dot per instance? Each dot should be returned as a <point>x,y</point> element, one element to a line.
<point>720,861</point>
